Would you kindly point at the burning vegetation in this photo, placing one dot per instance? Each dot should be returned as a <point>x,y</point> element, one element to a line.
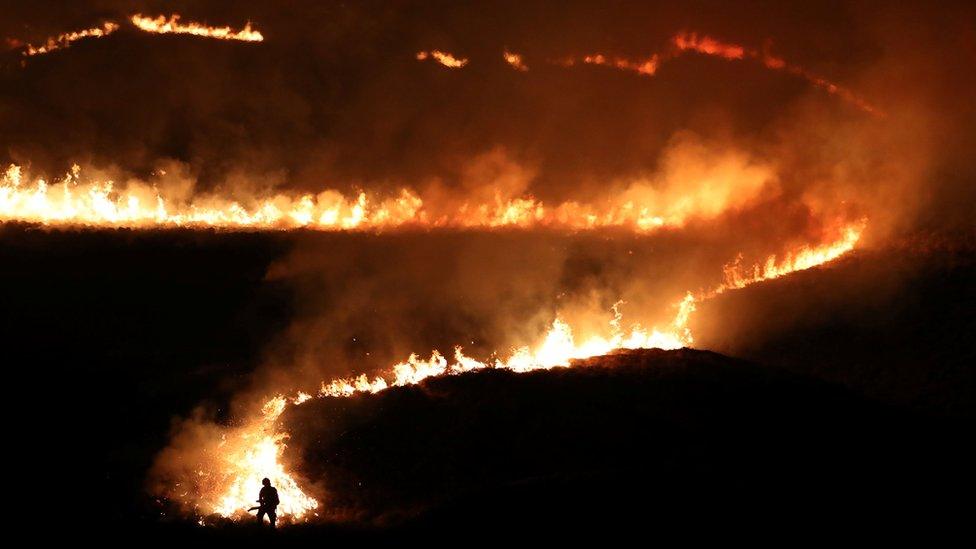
<point>225,473</point>
<point>64,40</point>
<point>330,125</point>
<point>174,25</point>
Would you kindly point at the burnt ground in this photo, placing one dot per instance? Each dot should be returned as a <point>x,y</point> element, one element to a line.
<point>105,341</point>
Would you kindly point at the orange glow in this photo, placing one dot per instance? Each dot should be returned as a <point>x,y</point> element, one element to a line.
<point>253,452</point>
<point>644,206</point>
<point>707,45</point>
<point>515,60</point>
<point>800,259</point>
<point>64,40</point>
<point>645,67</point>
<point>162,25</point>
<point>444,58</point>
<point>684,42</point>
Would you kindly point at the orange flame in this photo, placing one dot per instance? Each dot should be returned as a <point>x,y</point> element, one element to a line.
<point>707,45</point>
<point>645,67</point>
<point>162,25</point>
<point>64,40</point>
<point>804,258</point>
<point>254,454</point>
<point>515,60</point>
<point>444,58</point>
<point>73,201</point>
<point>683,42</point>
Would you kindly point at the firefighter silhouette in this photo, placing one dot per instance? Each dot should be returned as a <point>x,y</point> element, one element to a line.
<point>268,502</point>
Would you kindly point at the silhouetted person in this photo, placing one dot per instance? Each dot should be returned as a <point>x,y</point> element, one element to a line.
<point>268,500</point>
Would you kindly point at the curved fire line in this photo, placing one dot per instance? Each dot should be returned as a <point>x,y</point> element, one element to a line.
<point>253,451</point>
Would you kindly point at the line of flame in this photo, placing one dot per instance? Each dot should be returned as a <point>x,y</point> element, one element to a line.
<point>258,447</point>
<point>64,40</point>
<point>444,58</point>
<point>684,42</point>
<point>70,202</point>
<point>173,25</point>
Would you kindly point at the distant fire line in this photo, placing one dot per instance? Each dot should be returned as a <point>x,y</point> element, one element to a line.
<point>254,450</point>
<point>683,42</point>
<point>72,202</point>
<point>64,40</point>
<point>173,25</point>
<point>156,25</point>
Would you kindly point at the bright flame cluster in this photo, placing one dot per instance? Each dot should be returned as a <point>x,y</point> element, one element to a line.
<point>173,25</point>
<point>74,201</point>
<point>444,58</point>
<point>64,40</point>
<point>156,25</point>
<point>515,61</point>
<point>258,448</point>
<point>645,67</point>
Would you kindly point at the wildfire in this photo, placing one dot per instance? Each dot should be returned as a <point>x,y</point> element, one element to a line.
<point>681,42</point>
<point>162,25</point>
<point>74,201</point>
<point>64,40</point>
<point>804,258</point>
<point>684,42</point>
<point>646,67</point>
<point>444,58</point>
<point>707,45</point>
<point>257,448</point>
<point>515,60</point>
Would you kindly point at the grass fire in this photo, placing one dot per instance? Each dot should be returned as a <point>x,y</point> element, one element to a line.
<point>430,272</point>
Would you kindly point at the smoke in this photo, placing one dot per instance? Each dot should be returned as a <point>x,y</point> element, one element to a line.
<point>751,161</point>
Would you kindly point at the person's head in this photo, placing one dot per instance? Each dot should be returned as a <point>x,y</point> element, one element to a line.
<point>266,482</point>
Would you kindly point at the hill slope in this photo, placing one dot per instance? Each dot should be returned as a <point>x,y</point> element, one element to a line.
<point>634,434</point>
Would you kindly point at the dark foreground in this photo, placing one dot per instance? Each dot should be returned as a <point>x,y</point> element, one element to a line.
<point>857,413</point>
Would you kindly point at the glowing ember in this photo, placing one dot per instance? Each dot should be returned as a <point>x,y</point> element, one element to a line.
<point>173,25</point>
<point>255,452</point>
<point>515,60</point>
<point>444,58</point>
<point>645,67</point>
<point>64,40</point>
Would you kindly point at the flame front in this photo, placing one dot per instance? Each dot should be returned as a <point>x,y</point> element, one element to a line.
<point>64,40</point>
<point>74,201</point>
<point>449,60</point>
<point>646,67</point>
<point>257,448</point>
<point>685,42</point>
<point>173,25</point>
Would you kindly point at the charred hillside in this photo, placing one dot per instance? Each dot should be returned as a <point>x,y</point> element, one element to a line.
<point>618,439</point>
